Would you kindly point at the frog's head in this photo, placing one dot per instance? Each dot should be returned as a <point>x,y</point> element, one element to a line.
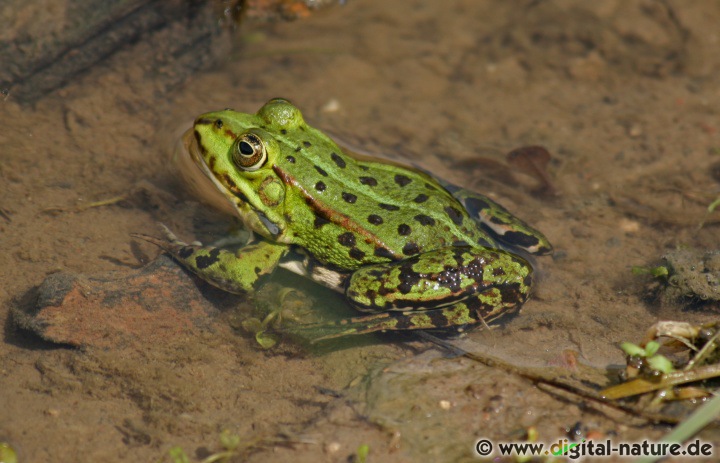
<point>238,151</point>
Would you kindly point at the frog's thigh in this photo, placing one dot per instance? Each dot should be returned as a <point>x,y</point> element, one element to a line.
<point>441,278</point>
<point>235,272</point>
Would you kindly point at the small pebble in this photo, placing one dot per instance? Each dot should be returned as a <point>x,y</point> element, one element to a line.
<point>332,447</point>
<point>629,226</point>
<point>331,106</point>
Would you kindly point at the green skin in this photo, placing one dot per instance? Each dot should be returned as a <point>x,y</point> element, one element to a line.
<point>411,251</point>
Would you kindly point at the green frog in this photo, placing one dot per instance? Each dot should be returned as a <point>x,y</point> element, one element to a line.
<point>410,251</point>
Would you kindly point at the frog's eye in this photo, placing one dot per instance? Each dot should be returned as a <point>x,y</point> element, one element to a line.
<point>249,152</point>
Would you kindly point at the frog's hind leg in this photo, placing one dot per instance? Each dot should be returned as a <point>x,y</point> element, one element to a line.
<point>441,278</point>
<point>445,288</point>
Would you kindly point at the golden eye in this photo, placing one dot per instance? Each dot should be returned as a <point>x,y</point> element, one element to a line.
<point>249,152</point>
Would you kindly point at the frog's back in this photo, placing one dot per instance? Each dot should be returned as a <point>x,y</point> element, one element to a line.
<point>368,212</point>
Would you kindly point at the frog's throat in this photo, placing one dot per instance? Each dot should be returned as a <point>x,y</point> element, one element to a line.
<point>193,149</point>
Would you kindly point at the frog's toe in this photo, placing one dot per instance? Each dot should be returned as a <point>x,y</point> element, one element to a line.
<point>170,236</point>
<point>161,243</point>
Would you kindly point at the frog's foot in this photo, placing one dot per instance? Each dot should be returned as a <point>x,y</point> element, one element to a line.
<point>276,309</point>
<point>500,223</point>
<point>455,317</point>
<point>235,272</point>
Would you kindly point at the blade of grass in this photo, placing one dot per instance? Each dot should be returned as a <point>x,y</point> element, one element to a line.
<point>688,428</point>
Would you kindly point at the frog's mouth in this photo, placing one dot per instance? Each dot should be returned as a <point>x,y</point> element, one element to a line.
<point>198,177</point>
<point>210,190</point>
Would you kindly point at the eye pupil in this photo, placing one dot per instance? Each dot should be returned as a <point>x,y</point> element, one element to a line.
<point>219,124</point>
<point>246,148</point>
<point>249,153</point>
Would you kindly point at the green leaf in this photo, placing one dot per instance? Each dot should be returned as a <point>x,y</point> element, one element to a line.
<point>178,455</point>
<point>632,349</point>
<point>661,363</point>
<point>660,271</point>
<point>713,205</point>
<point>266,340</point>
<point>229,440</point>
<point>657,272</point>
<point>651,348</point>
<point>362,453</point>
<point>7,453</point>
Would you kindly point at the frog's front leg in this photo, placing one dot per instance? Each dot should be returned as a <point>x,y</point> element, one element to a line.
<point>235,272</point>
<point>488,281</point>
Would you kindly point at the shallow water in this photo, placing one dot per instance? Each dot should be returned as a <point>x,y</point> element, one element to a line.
<point>622,94</point>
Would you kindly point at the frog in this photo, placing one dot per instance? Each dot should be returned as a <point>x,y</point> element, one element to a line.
<point>407,250</point>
